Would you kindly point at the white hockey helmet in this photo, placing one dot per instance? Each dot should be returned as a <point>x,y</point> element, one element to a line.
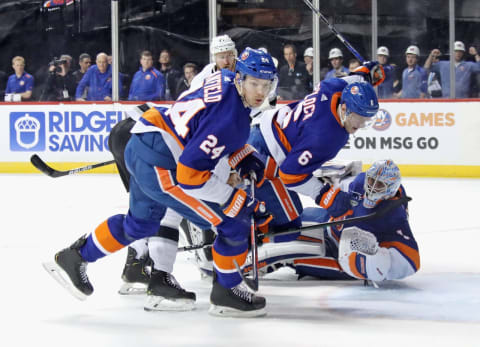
<point>335,53</point>
<point>222,43</point>
<point>382,50</point>
<point>382,181</point>
<point>413,50</point>
<point>308,52</point>
<point>459,46</point>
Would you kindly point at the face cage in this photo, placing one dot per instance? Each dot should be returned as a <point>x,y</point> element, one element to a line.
<point>374,194</point>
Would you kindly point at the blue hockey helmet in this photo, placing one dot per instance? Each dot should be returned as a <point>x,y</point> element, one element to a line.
<point>382,181</point>
<point>360,97</point>
<point>256,63</point>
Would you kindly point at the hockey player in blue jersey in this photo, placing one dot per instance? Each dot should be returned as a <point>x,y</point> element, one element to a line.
<point>375,249</point>
<point>171,158</point>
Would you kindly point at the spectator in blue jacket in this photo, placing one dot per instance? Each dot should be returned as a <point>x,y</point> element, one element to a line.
<point>386,89</point>
<point>414,77</point>
<point>98,79</point>
<point>20,84</point>
<point>465,71</point>
<point>148,83</point>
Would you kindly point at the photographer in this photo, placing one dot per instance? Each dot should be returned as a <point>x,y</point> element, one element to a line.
<point>60,85</point>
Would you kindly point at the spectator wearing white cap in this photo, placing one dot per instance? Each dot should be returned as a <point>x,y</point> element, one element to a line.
<point>464,70</point>
<point>414,77</point>
<point>308,59</point>
<point>386,89</point>
<point>336,59</point>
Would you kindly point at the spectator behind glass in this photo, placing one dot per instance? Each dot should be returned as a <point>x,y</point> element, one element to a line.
<point>98,79</point>
<point>414,77</point>
<point>386,89</point>
<point>169,72</point>
<point>336,60</point>
<point>148,84</point>
<point>20,84</point>
<point>189,72</point>
<point>293,81</point>
<point>308,60</point>
<point>84,60</point>
<point>124,80</point>
<point>60,85</point>
<point>465,71</point>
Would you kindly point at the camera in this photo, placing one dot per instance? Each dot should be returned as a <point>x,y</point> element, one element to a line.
<point>57,62</point>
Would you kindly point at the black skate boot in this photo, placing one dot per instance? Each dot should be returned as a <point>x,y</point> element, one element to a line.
<point>238,301</point>
<point>164,293</point>
<point>135,274</point>
<point>70,270</point>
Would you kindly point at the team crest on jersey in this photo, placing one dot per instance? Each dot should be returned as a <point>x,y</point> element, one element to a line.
<point>354,90</point>
<point>244,55</point>
<point>382,121</point>
<point>147,77</point>
<point>22,83</point>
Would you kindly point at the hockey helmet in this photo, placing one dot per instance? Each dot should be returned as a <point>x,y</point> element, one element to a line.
<point>256,63</point>
<point>360,97</point>
<point>382,181</point>
<point>222,43</point>
<point>335,53</point>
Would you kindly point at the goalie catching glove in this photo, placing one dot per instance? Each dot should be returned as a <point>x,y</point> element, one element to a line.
<point>335,201</point>
<point>372,71</point>
<point>242,206</point>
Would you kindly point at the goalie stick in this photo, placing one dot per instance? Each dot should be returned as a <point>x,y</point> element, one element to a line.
<point>334,31</point>
<point>50,171</point>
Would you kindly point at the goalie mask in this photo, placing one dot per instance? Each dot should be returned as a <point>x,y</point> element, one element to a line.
<point>382,181</point>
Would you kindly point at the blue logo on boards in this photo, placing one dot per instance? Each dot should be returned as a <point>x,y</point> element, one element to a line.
<point>27,131</point>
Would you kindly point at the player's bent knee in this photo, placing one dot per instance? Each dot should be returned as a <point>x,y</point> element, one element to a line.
<point>137,228</point>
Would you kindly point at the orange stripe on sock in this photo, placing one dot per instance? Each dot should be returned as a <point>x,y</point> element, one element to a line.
<point>106,239</point>
<point>169,187</point>
<point>224,262</point>
<point>270,168</point>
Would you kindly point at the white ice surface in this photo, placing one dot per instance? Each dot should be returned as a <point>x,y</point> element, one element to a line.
<point>439,306</point>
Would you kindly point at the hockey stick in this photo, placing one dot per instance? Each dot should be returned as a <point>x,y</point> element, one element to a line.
<point>50,171</point>
<point>337,34</point>
<point>347,221</point>
<point>376,214</point>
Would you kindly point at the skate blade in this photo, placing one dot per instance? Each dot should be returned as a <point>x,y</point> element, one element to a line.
<point>133,289</point>
<point>62,278</point>
<point>159,303</point>
<point>223,311</point>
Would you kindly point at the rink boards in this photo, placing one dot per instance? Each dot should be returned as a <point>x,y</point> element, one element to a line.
<point>426,138</point>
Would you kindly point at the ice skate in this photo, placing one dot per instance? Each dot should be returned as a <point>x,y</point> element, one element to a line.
<point>135,274</point>
<point>70,270</point>
<point>238,301</point>
<point>165,294</point>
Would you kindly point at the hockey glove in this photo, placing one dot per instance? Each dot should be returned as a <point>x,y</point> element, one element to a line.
<point>242,206</point>
<point>372,71</point>
<point>248,163</point>
<point>335,201</point>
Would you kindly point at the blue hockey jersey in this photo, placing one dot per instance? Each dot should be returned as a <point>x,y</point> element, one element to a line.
<point>202,127</point>
<point>304,135</point>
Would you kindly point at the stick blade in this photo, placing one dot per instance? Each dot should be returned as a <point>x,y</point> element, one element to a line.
<point>42,166</point>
